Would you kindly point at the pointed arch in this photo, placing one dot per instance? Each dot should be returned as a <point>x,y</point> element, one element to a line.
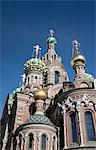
<point>73,126</point>
<point>89,126</point>
<point>43,142</point>
<point>56,77</point>
<point>30,141</point>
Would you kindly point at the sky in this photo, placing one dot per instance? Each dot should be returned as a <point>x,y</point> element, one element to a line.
<point>26,23</point>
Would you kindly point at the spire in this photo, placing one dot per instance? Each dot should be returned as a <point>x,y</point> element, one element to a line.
<point>37,49</point>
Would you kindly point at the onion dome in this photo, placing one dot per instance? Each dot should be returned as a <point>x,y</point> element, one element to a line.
<point>40,94</point>
<point>34,64</point>
<point>18,90</point>
<point>78,60</point>
<point>51,38</point>
<point>89,77</point>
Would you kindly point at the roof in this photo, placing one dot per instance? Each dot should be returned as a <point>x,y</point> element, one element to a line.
<point>39,119</point>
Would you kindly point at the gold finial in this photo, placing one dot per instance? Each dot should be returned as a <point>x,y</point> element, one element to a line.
<point>76,45</point>
<point>40,94</point>
<point>51,33</point>
<point>37,49</point>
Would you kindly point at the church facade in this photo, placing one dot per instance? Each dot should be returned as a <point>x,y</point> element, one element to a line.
<point>49,112</point>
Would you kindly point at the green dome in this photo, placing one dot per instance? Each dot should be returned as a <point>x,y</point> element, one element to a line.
<point>51,40</point>
<point>89,76</point>
<point>34,64</point>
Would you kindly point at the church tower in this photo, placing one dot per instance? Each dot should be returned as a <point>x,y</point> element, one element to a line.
<point>56,70</point>
<point>82,79</point>
<point>34,72</point>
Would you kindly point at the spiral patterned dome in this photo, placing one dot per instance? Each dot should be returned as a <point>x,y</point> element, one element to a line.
<point>34,64</point>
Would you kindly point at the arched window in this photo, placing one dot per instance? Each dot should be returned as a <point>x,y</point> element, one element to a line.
<point>31,141</point>
<point>89,126</point>
<point>55,56</point>
<point>57,74</point>
<point>28,79</point>
<point>47,56</point>
<point>43,142</point>
<point>73,127</point>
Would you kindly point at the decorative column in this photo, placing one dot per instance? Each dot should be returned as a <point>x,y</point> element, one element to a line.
<point>80,124</point>
<point>17,147</point>
<point>5,137</point>
<point>25,143</point>
<point>39,107</point>
<point>22,144</point>
<point>64,120</point>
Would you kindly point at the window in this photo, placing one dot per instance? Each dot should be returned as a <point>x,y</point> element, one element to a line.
<point>73,127</point>
<point>57,74</point>
<point>53,144</point>
<point>28,79</point>
<point>54,56</point>
<point>47,56</point>
<point>89,126</point>
<point>43,142</point>
<point>35,77</point>
<point>31,141</point>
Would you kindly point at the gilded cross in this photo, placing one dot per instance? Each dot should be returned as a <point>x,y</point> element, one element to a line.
<point>37,49</point>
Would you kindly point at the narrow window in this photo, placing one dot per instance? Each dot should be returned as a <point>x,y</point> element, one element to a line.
<point>31,141</point>
<point>73,127</point>
<point>53,144</point>
<point>57,74</point>
<point>43,142</point>
<point>28,79</point>
<point>54,56</point>
<point>47,56</point>
<point>89,126</point>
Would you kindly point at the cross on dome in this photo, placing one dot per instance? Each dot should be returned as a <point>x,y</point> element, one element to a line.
<point>51,33</point>
<point>37,49</point>
<point>76,45</point>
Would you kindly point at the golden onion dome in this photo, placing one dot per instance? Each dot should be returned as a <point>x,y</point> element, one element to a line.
<point>78,60</point>
<point>40,94</point>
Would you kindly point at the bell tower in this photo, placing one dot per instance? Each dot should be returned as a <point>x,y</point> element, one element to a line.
<point>78,61</point>
<point>56,70</point>
<point>34,70</point>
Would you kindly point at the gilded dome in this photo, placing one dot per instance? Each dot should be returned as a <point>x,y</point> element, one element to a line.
<point>78,59</point>
<point>34,64</point>
<point>40,94</point>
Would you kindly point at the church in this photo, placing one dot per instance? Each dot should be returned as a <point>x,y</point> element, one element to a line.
<point>49,112</point>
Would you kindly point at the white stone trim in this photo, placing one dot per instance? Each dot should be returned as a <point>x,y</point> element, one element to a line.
<point>54,135</point>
